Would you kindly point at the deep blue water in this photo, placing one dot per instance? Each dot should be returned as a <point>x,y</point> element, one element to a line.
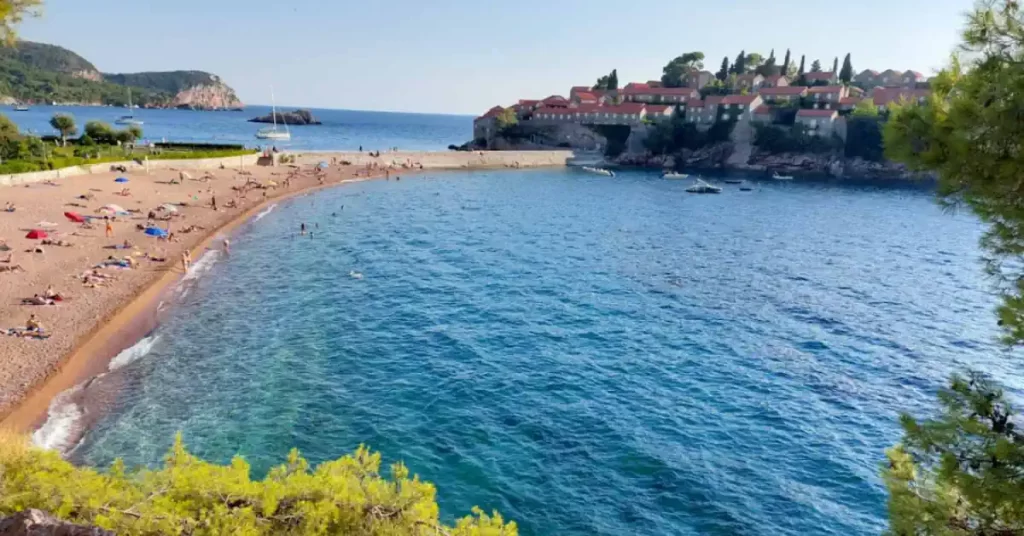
<point>341,129</point>
<point>589,356</point>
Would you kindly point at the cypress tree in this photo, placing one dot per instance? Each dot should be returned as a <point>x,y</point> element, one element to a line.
<point>846,74</point>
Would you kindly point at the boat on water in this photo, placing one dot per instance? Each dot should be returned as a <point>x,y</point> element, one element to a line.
<point>130,118</point>
<point>272,133</point>
<point>746,189</point>
<point>701,187</point>
<point>21,108</point>
<point>598,171</point>
<point>778,177</point>
<point>733,181</point>
<point>674,175</point>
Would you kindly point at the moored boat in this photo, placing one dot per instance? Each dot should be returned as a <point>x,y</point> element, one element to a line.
<point>598,171</point>
<point>701,187</point>
<point>778,177</point>
<point>674,175</point>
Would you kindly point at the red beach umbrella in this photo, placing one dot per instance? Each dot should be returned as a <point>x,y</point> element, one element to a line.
<point>37,234</point>
<point>75,217</point>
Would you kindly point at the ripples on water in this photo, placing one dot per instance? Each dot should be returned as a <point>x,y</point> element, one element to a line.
<point>587,355</point>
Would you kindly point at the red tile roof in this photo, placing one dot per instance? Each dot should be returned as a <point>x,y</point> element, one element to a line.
<point>824,75</point>
<point>850,100</point>
<point>626,108</point>
<point>763,110</point>
<point>635,85</point>
<point>695,103</point>
<point>493,112</point>
<point>825,89</point>
<point>773,79</point>
<point>528,102</point>
<point>579,89</point>
<point>714,100</point>
<point>555,99</point>
<point>589,108</point>
<point>654,83</point>
<point>739,99</point>
<point>784,90</point>
<point>586,95</point>
<point>646,90</point>
<point>815,113</point>
<point>658,109</point>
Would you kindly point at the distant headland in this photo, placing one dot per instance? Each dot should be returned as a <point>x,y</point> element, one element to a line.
<point>51,74</point>
<point>295,117</point>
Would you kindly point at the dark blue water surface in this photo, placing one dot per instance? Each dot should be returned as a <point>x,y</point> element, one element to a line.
<point>341,129</point>
<point>586,355</point>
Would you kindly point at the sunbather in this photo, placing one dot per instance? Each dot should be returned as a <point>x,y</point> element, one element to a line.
<point>11,268</point>
<point>38,300</point>
<point>51,242</point>
<point>9,207</point>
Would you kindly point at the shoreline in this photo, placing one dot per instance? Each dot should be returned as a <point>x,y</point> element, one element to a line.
<point>135,317</point>
<point>121,331</point>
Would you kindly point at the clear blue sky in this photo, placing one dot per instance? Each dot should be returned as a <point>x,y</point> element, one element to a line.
<point>463,56</point>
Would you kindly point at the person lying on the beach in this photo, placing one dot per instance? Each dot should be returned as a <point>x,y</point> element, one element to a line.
<point>51,242</point>
<point>38,300</point>
<point>155,258</point>
<point>126,192</point>
<point>9,207</point>
<point>125,245</point>
<point>87,197</point>
<point>12,268</point>
<point>111,261</point>
<point>37,249</point>
<point>52,294</point>
<point>28,334</point>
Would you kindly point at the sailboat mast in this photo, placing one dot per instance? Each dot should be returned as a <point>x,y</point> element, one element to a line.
<point>273,108</point>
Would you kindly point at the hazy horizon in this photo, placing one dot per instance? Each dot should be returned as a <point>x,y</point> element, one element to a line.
<point>461,58</point>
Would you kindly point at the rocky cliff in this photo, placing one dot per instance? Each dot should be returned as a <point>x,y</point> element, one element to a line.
<point>196,90</point>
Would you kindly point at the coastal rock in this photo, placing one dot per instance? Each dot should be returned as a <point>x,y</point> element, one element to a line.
<point>39,523</point>
<point>297,117</point>
<point>216,96</point>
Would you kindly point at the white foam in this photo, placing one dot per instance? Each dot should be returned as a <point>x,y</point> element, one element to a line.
<point>202,266</point>
<point>133,353</point>
<point>265,211</point>
<point>63,423</point>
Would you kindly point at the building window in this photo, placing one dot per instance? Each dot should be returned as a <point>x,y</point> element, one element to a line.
<point>725,117</point>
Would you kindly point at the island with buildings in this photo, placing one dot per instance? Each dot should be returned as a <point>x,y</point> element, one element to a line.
<point>765,119</point>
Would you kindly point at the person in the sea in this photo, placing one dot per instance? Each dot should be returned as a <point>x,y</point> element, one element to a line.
<point>227,246</point>
<point>186,261</point>
<point>302,229</point>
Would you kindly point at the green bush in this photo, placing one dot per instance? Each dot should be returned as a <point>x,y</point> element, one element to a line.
<point>19,166</point>
<point>189,496</point>
<point>864,138</point>
<point>100,132</point>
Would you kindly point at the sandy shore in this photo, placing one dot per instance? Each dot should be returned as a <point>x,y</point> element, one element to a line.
<point>94,324</point>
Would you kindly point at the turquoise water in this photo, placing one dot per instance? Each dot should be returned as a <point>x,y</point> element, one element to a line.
<point>341,129</point>
<point>586,355</point>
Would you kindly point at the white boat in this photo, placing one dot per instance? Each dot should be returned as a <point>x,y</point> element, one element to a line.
<point>778,177</point>
<point>272,133</point>
<point>130,118</point>
<point>598,171</point>
<point>21,108</point>
<point>674,175</point>
<point>701,187</point>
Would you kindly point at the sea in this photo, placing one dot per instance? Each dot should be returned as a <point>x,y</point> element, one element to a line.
<point>342,130</point>
<point>587,355</point>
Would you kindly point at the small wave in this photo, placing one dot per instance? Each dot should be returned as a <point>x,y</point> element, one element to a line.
<point>203,265</point>
<point>134,352</point>
<point>265,211</point>
<point>63,423</point>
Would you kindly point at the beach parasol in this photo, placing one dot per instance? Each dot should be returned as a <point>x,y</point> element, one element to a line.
<point>323,165</point>
<point>120,179</point>
<point>168,207</point>
<point>117,209</point>
<point>156,231</point>
<point>37,234</point>
<point>75,217</point>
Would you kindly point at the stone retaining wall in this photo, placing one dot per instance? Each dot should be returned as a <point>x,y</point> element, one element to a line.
<point>193,164</point>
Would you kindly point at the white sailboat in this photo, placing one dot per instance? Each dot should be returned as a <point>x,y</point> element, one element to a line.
<point>272,133</point>
<point>130,118</point>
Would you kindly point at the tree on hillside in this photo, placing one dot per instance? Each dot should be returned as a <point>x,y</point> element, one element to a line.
<point>674,73</point>
<point>723,73</point>
<point>801,79</point>
<point>960,472</point>
<point>65,125</point>
<point>816,66</point>
<point>769,68</point>
<point>835,65</point>
<point>740,65</point>
<point>785,64</point>
<point>753,61</point>
<point>100,132</point>
<point>865,108</point>
<point>12,12</point>
<point>613,80</point>
<point>846,73</point>
<point>8,130</point>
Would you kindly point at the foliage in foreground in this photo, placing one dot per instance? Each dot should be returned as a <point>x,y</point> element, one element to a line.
<point>963,472</point>
<point>189,496</point>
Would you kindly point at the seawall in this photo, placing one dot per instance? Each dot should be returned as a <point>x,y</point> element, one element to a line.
<point>440,159</point>
<point>153,165</point>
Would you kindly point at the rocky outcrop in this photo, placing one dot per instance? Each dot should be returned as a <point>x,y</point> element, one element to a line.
<point>217,96</point>
<point>834,165</point>
<point>39,523</point>
<point>296,117</point>
<point>86,74</point>
<point>710,157</point>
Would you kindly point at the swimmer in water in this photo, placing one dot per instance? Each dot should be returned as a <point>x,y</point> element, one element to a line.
<point>227,246</point>
<point>302,229</point>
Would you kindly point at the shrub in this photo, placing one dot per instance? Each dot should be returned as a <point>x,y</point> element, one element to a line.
<point>100,132</point>
<point>189,496</point>
<point>864,138</point>
<point>86,140</point>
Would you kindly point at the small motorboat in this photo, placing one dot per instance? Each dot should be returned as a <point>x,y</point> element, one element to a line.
<point>674,175</point>
<point>746,189</point>
<point>598,171</point>
<point>733,181</point>
<point>701,187</point>
<point>778,177</point>
<point>21,108</point>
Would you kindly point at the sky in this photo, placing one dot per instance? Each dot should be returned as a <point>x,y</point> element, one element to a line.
<point>464,56</point>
